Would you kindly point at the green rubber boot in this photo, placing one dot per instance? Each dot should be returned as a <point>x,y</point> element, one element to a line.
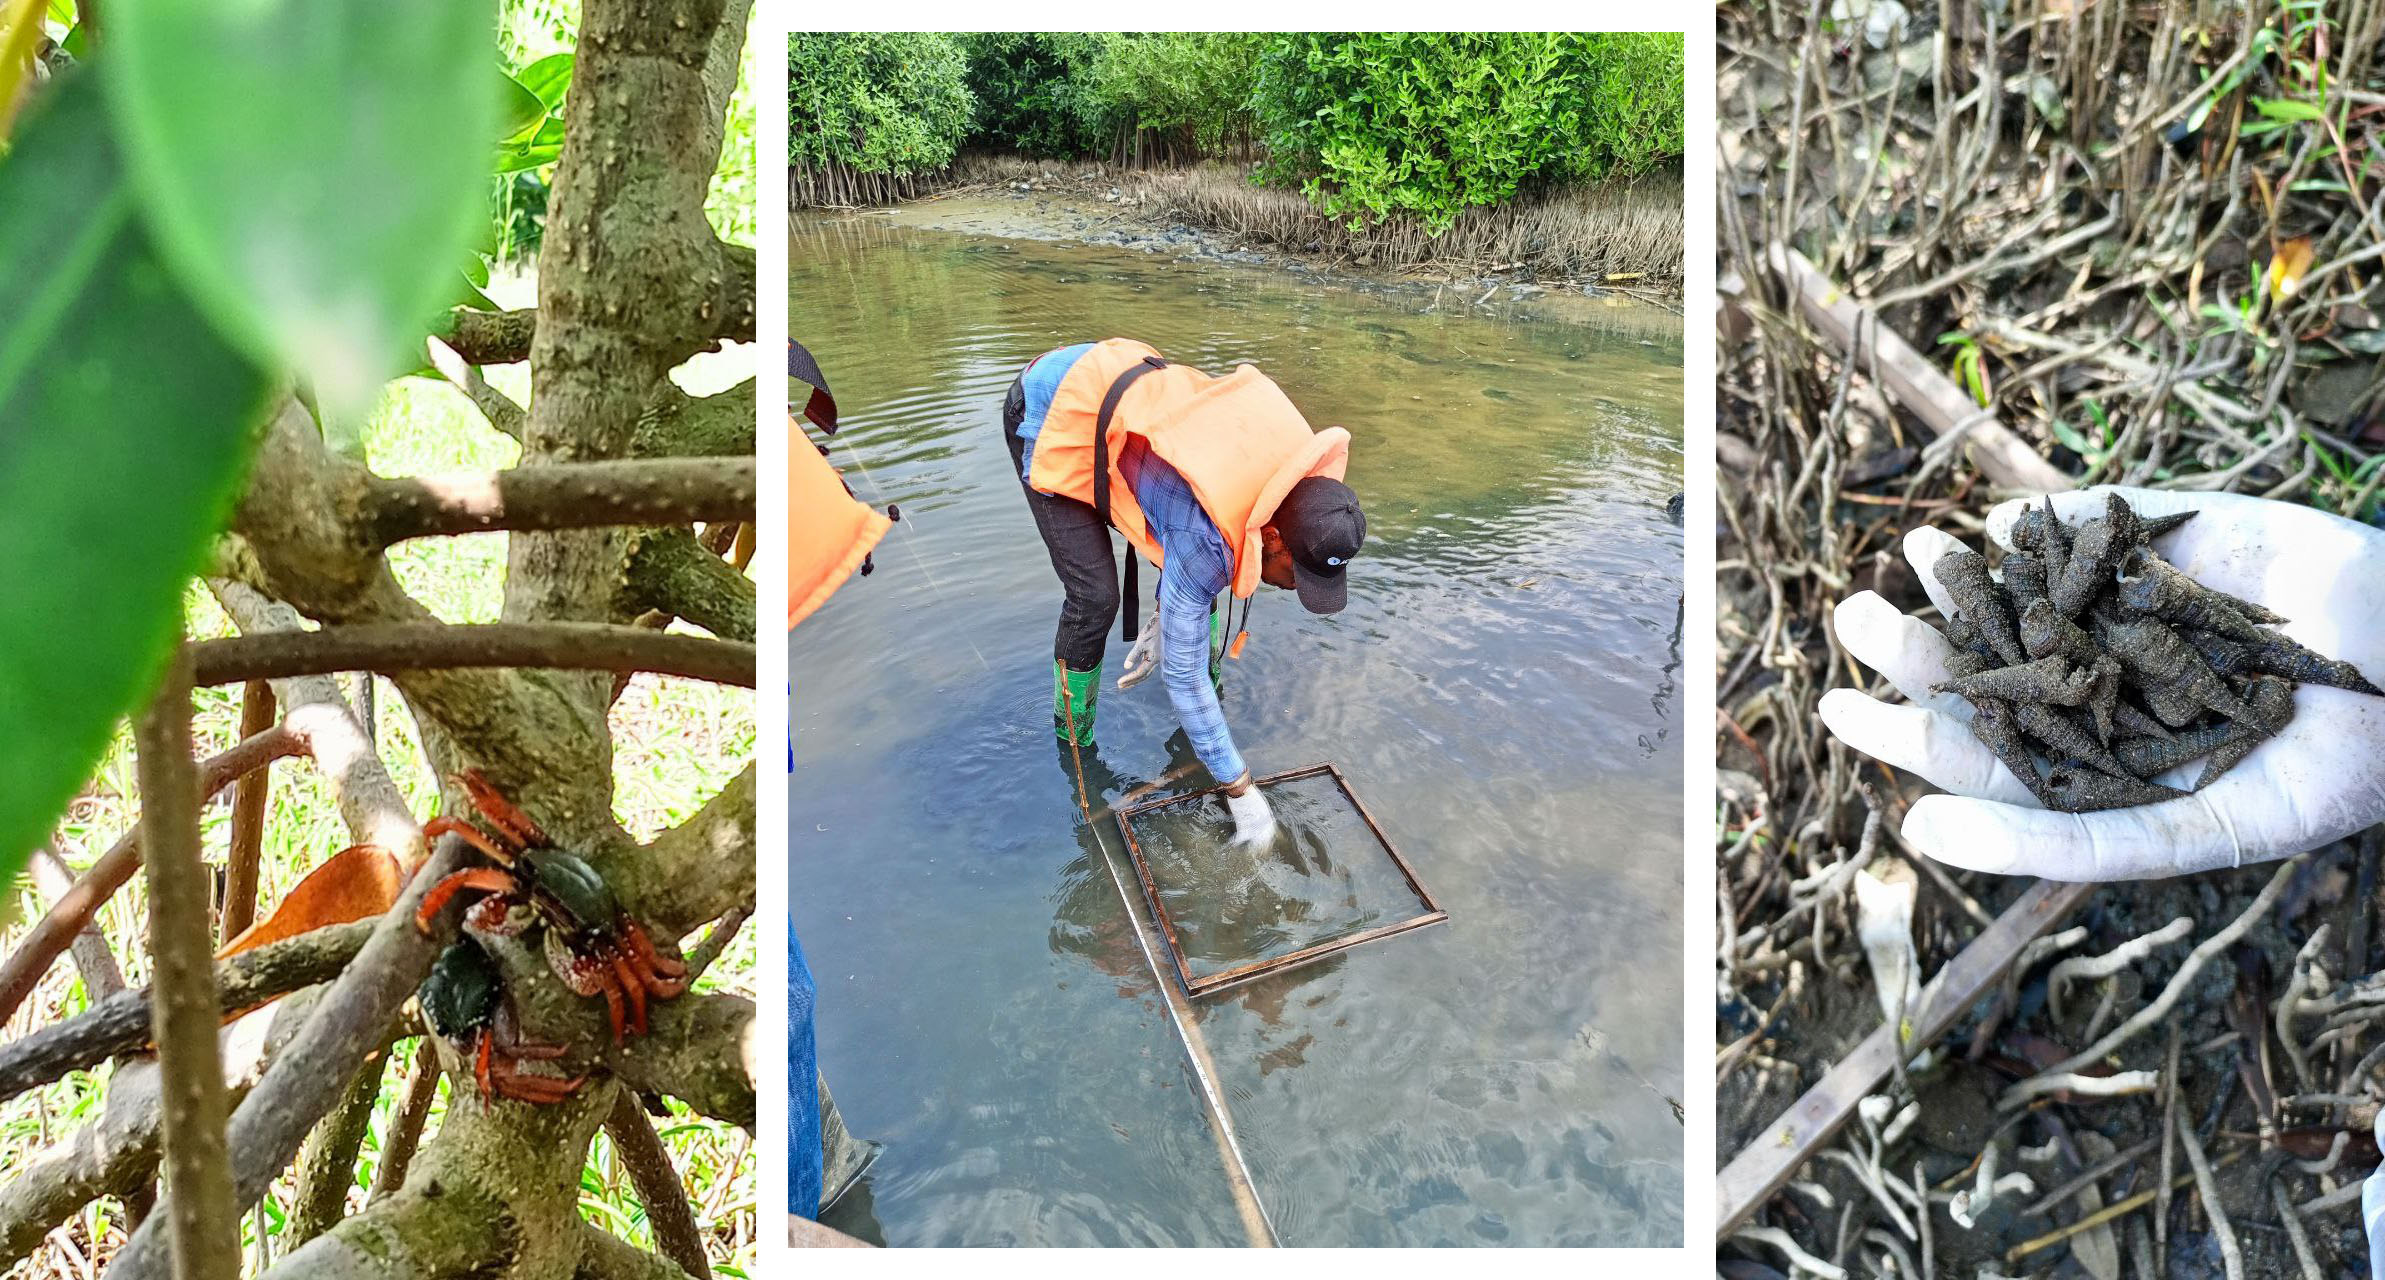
<point>1073,696</point>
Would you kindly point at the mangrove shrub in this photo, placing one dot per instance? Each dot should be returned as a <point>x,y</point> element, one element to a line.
<point>893,102</point>
<point>1427,124</point>
<point>1035,93</point>
<point>1188,91</point>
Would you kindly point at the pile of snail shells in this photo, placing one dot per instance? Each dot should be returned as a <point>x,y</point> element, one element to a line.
<point>2111,665</point>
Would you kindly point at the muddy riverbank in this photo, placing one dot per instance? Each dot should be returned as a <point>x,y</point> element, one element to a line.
<point>1164,214</point>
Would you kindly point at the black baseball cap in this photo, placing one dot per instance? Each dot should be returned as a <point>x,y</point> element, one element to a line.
<point>1322,527</point>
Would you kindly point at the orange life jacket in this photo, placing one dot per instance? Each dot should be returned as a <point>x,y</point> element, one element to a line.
<point>829,531</point>
<point>1238,441</point>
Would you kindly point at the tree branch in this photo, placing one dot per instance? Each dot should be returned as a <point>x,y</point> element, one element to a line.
<point>678,425</point>
<point>726,314</point>
<point>257,714</point>
<point>657,1182</point>
<point>662,491</point>
<point>327,1160</point>
<point>696,871</point>
<point>488,337</point>
<point>351,1020</point>
<point>458,1230</point>
<point>102,977</point>
<point>205,1227</point>
<point>699,1049</point>
<point>74,910</point>
<point>405,1127</point>
<point>605,1256</point>
<point>121,1023</point>
<point>314,708</point>
<point>670,572</point>
<point>629,267</point>
<point>412,646</point>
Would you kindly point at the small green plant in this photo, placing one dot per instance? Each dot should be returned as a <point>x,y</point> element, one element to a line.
<point>1970,366</point>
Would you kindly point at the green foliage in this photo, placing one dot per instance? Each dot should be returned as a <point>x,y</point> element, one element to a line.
<point>878,102</point>
<point>1035,91</point>
<point>1428,124</point>
<point>310,169</point>
<point>129,421</point>
<point>1192,87</point>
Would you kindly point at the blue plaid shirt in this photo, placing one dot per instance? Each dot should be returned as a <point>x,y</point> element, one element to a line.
<point>1194,567</point>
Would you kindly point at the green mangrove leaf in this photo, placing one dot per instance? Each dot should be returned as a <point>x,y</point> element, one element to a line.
<point>549,78</point>
<point>312,169</point>
<point>519,110</point>
<point>127,433</point>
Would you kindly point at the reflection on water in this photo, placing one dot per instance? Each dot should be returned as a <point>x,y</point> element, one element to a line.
<point>1500,690</point>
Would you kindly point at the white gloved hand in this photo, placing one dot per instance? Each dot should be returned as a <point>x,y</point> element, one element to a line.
<point>1143,659</point>
<point>2319,780</point>
<point>1254,820</point>
<point>2372,1207</point>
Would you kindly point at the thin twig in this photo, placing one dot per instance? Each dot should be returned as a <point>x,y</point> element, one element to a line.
<point>257,713</point>
<point>206,1226</point>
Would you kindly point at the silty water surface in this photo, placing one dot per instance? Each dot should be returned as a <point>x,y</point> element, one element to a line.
<point>1501,692</point>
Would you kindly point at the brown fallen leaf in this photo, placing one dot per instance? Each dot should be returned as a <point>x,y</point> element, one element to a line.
<point>357,883</point>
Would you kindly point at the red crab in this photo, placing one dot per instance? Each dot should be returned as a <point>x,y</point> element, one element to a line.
<point>464,1000</point>
<point>591,943</point>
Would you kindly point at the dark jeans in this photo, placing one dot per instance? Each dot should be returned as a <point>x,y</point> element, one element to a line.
<point>1078,540</point>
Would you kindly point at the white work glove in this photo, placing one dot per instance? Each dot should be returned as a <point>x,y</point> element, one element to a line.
<point>1254,821</point>
<point>1143,659</point>
<point>2372,1206</point>
<point>2319,780</point>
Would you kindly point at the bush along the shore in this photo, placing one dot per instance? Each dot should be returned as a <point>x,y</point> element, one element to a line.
<point>1391,140</point>
<point>873,117</point>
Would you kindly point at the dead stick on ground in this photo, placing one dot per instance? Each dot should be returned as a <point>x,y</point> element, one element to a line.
<point>1767,1163</point>
<point>416,646</point>
<point>257,714</point>
<point>1917,384</point>
<point>2116,1209</point>
<point>676,1235</point>
<point>206,1228</point>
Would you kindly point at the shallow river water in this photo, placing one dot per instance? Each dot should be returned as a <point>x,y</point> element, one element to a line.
<point>1502,693</point>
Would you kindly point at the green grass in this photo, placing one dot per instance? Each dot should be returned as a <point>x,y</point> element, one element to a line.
<point>676,743</point>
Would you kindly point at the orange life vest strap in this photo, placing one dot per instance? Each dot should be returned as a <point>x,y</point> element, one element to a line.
<point>1130,585</point>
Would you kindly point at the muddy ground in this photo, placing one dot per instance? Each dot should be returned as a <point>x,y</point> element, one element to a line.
<point>2082,216</point>
<point>1092,211</point>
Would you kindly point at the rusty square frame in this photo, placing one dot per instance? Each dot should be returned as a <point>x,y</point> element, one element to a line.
<point>1241,974</point>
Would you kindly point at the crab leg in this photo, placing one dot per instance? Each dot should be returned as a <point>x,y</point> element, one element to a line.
<point>633,987</point>
<point>537,1090</point>
<point>612,995</point>
<point>480,879</point>
<point>481,1070</point>
<point>502,813</point>
<point>664,975</point>
<point>466,832</point>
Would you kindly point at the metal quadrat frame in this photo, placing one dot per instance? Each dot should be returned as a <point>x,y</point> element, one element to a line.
<point>1242,974</point>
